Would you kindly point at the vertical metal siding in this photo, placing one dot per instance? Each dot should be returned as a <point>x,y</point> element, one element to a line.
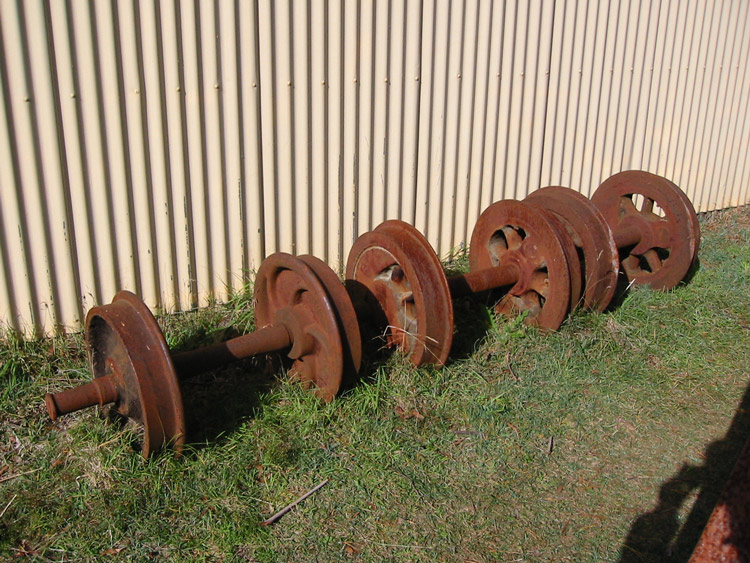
<point>737,183</point>
<point>168,146</point>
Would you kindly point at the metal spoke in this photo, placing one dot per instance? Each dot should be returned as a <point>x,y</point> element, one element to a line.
<point>631,265</point>
<point>626,203</point>
<point>652,257</point>
<point>513,238</point>
<point>540,283</point>
<point>648,205</point>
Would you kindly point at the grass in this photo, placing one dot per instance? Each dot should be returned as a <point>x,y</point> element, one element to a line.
<point>607,440</point>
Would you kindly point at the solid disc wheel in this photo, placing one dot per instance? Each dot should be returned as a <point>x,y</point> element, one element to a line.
<point>345,314</point>
<point>664,220</point>
<point>289,291</point>
<point>124,340</point>
<point>592,237</point>
<point>400,275</point>
<point>512,234</point>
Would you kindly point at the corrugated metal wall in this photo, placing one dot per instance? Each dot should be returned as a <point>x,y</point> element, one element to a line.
<point>168,146</point>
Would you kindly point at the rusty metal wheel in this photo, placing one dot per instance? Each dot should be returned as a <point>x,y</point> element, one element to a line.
<point>126,344</point>
<point>398,269</point>
<point>696,228</point>
<point>289,292</point>
<point>571,255</point>
<point>512,234</point>
<point>345,314</point>
<point>654,225</point>
<point>592,237</point>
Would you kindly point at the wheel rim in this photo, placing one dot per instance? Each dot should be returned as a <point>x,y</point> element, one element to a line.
<point>124,338</point>
<point>345,315</point>
<point>398,269</point>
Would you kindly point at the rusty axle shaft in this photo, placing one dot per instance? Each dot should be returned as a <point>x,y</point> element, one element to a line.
<point>483,280</point>
<point>272,338</point>
<point>104,390</point>
<point>100,391</point>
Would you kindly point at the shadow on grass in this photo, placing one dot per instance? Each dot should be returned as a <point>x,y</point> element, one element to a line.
<point>623,285</point>
<point>656,535</point>
<point>694,269</point>
<point>471,322</point>
<point>217,402</point>
<point>472,318</point>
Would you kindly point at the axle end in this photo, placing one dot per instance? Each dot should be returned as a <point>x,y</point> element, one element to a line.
<point>52,409</point>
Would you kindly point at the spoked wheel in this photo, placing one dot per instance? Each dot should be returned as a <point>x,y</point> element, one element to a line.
<point>592,237</point>
<point>401,274</point>
<point>513,235</point>
<point>655,227</point>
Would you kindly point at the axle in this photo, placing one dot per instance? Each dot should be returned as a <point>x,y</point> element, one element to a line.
<point>483,280</point>
<point>104,390</point>
<point>101,391</point>
<point>627,236</point>
<point>268,339</point>
<point>300,303</point>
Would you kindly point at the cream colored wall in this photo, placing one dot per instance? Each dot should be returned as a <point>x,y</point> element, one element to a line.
<point>167,147</point>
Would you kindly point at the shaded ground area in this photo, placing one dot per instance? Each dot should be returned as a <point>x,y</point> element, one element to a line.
<point>657,534</point>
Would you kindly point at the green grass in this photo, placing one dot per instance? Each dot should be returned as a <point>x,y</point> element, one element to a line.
<point>607,440</point>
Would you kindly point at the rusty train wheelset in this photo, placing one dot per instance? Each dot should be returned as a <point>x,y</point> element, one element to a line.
<point>302,309</point>
<point>637,224</point>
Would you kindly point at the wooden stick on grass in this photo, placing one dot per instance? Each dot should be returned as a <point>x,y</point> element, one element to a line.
<point>288,507</point>
<point>9,477</point>
<point>510,368</point>
<point>7,505</point>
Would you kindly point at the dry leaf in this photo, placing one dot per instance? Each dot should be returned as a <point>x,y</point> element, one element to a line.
<point>350,549</point>
<point>411,413</point>
<point>25,550</point>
